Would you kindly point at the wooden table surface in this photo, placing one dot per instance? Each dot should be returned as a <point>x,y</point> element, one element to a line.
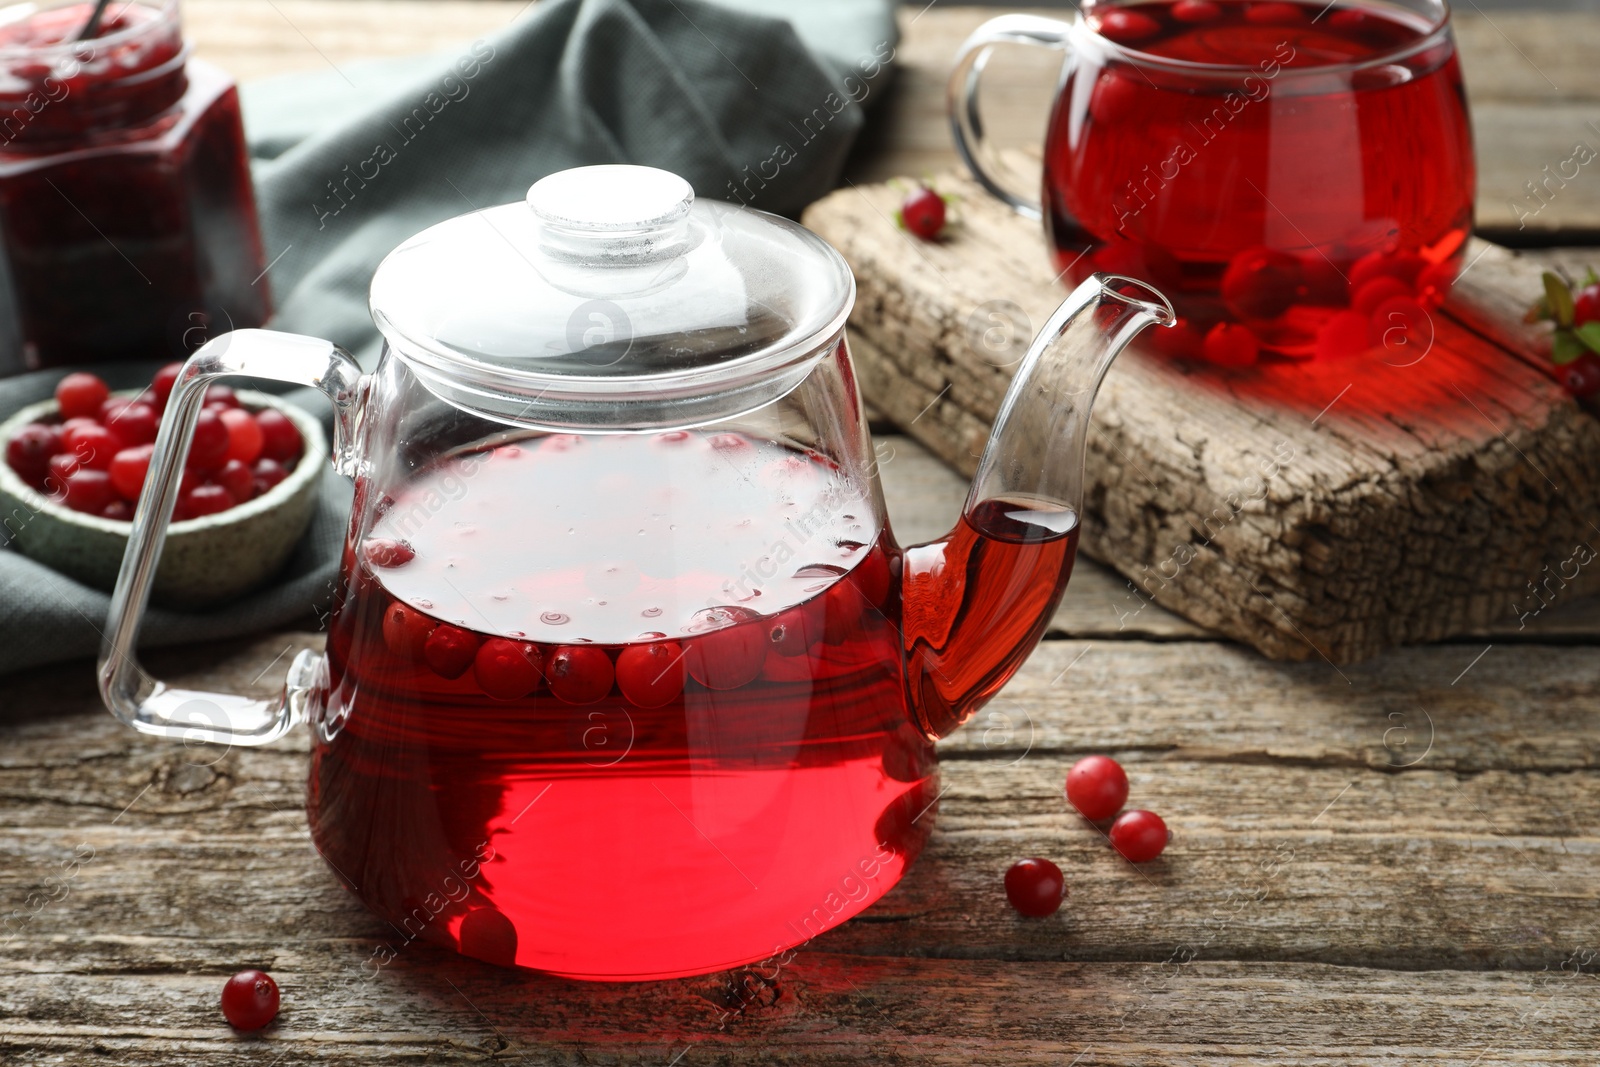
<point>1396,862</point>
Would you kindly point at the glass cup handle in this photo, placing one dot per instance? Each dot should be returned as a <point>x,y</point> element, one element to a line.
<point>966,119</point>
<point>148,704</point>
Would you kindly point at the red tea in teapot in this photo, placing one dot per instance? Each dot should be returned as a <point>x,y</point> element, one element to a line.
<point>558,735</point>
<point>1310,176</point>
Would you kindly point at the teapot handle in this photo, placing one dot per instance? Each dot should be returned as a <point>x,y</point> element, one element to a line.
<point>148,704</point>
<point>966,119</point>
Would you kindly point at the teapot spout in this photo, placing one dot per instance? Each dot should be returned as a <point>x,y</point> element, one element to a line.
<point>1036,449</point>
<point>976,603</point>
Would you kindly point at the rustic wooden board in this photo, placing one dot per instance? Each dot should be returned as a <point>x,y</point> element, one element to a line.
<point>925,496</point>
<point>1393,864</point>
<point>1409,503</point>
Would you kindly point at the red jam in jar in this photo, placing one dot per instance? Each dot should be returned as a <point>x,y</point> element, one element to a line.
<point>127,220</point>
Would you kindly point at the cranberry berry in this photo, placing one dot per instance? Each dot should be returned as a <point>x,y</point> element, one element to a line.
<point>1231,345</point>
<point>245,438</point>
<point>1582,376</point>
<point>250,1000</point>
<point>580,674</point>
<point>1098,787</point>
<point>449,650</point>
<point>237,479</point>
<point>1139,835</point>
<point>385,552</point>
<point>508,670</point>
<point>29,452</point>
<point>652,674</point>
<point>81,394</point>
<point>129,469</point>
<point>133,422</point>
<point>1125,26</point>
<point>923,213</point>
<point>1196,11</point>
<point>208,449</point>
<point>268,473</point>
<point>163,382</point>
<point>88,491</point>
<point>406,630</point>
<point>279,439</point>
<point>1586,305</point>
<point>204,499</point>
<point>1035,887</point>
<point>732,656</point>
<point>93,444</point>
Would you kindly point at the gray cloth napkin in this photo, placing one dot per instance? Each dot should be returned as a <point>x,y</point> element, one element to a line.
<point>350,162</point>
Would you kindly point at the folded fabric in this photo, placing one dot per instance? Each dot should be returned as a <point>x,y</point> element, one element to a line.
<point>749,99</point>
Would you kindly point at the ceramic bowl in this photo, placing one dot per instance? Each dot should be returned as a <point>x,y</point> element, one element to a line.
<point>206,560</point>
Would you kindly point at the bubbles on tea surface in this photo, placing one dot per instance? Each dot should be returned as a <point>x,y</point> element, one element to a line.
<point>707,620</point>
<point>651,612</point>
<point>554,618</point>
<point>502,597</point>
<point>424,603</point>
<point>850,546</point>
<point>822,575</point>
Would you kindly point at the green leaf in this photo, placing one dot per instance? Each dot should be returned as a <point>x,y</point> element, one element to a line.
<point>1591,278</point>
<point>1566,347</point>
<point>1589,334</point>
<point>1560,298</point>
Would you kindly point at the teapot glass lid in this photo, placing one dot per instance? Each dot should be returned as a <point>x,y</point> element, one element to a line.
<point>612,299</point>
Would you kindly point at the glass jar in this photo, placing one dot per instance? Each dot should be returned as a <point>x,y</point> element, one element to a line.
<point>127,220</point>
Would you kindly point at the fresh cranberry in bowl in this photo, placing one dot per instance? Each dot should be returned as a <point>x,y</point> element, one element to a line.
<point>78,480</point>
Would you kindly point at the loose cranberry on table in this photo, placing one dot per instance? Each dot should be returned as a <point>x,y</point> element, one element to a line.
<point>923,213</point>
<point>1139,835</point>
<point>1098,787</point>
<point>1035,887</point>
<point>250,1000</point>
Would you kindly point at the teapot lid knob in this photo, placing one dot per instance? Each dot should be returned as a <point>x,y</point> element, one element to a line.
<point>611,198</point>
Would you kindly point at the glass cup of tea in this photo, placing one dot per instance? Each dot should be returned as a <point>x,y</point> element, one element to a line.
<point>1298,177</point>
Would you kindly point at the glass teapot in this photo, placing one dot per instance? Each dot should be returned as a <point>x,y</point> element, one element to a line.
<point>626,676</point>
